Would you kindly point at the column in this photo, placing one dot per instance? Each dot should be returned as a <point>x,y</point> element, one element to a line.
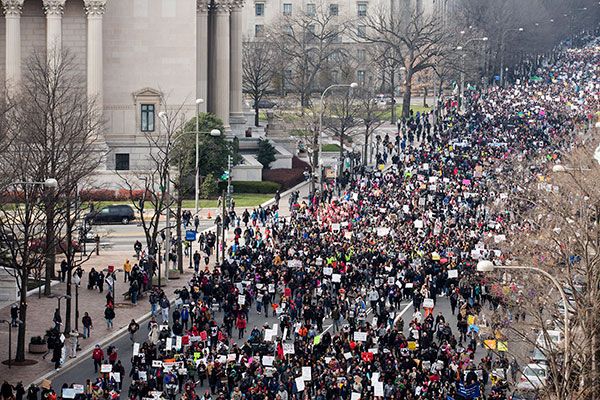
<point>94,10</point>
<point>220,60</point>
<point>202,52</point>
<point>235,65</point>
<point>54,10</point>
<point>12,10</point>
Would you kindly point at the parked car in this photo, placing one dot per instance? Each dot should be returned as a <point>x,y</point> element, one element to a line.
<point>538,356</point>
<point>265,103</point>
<point>533,377</point>
<point>551,341</point>
<point>111,214</point>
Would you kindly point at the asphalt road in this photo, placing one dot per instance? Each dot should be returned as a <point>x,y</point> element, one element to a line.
<point>85,369</point>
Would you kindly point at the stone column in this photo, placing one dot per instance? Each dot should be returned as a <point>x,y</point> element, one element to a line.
<point>54,10</point>
<point>220,60</point>
<point>202,52</point>
<point>94,10</point>
<point>235,64</point>
<point>12,10</point>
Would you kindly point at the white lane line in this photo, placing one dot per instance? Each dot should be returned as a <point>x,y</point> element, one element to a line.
<point>402,313</point>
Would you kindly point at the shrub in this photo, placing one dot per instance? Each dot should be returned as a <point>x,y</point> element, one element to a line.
<point>264,187</point>
<point>208,187</point>
<point>97,195</point>
<point>266,153</point>
<point>37,340</point>
<point>287,178</point>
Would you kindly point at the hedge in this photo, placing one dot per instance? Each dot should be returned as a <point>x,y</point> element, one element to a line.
<point>264,187</point>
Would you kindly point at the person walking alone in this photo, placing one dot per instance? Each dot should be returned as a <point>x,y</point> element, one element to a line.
<point>109,315</point>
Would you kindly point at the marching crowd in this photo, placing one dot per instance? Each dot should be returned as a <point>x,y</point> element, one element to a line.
<point>348,284</point>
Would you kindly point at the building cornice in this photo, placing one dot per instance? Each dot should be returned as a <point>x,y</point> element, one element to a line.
<point>202,6</point>
<point>221,6</point>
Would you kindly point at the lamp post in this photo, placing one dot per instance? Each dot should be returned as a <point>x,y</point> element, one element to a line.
<point>462,69</point>
<point>198,102</point>
<point>352,85</point>
<point>7,322</point>
<point>488,266</point>
<point>502,38</point>
<point>49,183</point>
<point>159,241</point>
<point>77,282</point>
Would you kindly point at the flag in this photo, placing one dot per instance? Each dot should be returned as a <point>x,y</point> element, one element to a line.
<point>469,392</point>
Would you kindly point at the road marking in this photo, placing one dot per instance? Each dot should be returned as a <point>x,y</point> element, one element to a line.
<point>402,313</point>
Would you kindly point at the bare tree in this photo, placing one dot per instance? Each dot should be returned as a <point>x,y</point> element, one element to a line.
<point>372,115</point>
<point>21,219</point>
<point>555,220</point>
<point>414,43</point>
<point>306,41</point>
<point>342,118</point>
<point>149,189</point>
<point>258,68</point>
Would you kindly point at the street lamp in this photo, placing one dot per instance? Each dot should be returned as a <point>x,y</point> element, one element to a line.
<point>352,85</point>
<point>488,266</point>
<point>10,339</point>
<point>49,183</point>
<point>462,69</point>
<point>502,52</point>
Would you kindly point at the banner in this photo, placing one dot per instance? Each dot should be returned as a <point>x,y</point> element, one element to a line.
<point>469,392</point>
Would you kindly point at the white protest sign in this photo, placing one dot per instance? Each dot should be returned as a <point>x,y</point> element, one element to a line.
<point>178,342</point>
<point>336,278</point>
<point>270,334</point>
<point>347,355</point>
<point>78,388</point>
<point>452,273</point>
<point>68,393</point>
<point>428,303</point>
<point>271,288</point>
<point>241,299</point>
<point>267,361</point>
<point>288,348</point>
<point>306,373</point>
<point>105,368</point>
<point>299,384</point>
<point>378,389</point>
<point>116,376</point>
<point>360,336</point>
<point>327,270</point>
<point>156,363</point>
<point>355,396</point>
<point>335,227</point>
<point>136,349</point>
<point>143,375</point>
<point>418,224</point>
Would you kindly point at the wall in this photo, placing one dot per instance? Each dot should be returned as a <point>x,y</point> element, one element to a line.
<point>33,31</point>
<point>147,43</point>
<point>74,29</point>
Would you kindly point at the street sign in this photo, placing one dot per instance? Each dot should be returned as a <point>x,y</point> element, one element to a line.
<point>190,236</point>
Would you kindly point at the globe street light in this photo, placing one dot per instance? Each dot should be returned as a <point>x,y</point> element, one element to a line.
<point>488,266</point>
<point>352,85</point>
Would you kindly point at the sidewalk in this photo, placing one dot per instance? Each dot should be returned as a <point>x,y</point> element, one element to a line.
<point>41,310</point>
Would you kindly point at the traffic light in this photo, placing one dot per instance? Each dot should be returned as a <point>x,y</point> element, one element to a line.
<point>225,176</point>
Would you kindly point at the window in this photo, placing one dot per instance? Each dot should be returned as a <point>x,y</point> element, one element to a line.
<point>362,9</point>
<point>311,9</point>
<point>259,30</point>
<point>147,118</point>
<point>259,9</point>
<point>360,76</point>
<point>335,76</point>
<point>287,9</point>
<point>288,30</point>
<point>122,161</point>
<point>361,31</point>
<point>287,78</point>
<point>361,54</point>
<point>334,9</point>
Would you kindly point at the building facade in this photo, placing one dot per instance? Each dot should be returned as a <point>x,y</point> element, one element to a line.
<point>134,54</point>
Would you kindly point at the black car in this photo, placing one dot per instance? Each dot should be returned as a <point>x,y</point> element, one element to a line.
<point>111,214</point>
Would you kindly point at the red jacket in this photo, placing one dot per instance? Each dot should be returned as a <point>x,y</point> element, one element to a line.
<point>98,354</point>
<point>240,323</point>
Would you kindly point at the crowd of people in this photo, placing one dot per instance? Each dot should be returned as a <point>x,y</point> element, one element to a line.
<point>345,290</point>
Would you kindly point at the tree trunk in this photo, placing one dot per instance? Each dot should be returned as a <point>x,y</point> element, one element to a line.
<point>341,162</point>
<point>392,75</point>
<point>406,96</point>
<point>315,162</point>
<point>20,354</point>
<point>366,149</point>
<point>425,96</point>
<point>50,246</point>
<point>179,241</point>
<point>256,115</point>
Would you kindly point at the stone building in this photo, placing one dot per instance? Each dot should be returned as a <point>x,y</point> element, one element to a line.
<point>133,54</point>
